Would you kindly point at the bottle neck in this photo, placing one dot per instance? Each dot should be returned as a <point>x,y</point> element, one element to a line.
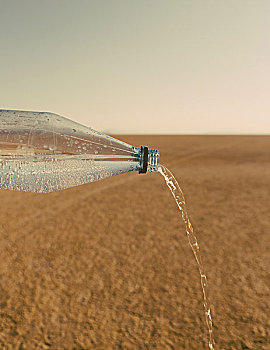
<point>153,160</point>
<point>149,159</point>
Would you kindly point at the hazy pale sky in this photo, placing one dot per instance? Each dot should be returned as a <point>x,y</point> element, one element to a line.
<point>140,66</point>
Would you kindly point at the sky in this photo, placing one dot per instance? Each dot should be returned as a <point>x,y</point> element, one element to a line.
<point>140,66</point>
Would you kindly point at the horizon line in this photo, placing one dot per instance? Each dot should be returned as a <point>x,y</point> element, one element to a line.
<point>188,134</point>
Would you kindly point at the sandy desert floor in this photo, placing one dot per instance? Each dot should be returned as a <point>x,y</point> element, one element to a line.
<point>107,265</point>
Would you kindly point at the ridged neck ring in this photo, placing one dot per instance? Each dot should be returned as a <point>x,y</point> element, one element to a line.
<point>149,159</point>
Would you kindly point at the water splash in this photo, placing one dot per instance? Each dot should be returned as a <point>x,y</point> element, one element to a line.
<point>180,201</point>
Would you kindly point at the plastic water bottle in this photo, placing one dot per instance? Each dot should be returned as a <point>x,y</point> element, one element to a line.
<point>44,152</point>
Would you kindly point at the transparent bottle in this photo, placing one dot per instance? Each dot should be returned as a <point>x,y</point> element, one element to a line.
<point>45,152</point>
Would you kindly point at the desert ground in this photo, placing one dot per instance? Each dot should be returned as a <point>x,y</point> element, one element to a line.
<point>107,265</point>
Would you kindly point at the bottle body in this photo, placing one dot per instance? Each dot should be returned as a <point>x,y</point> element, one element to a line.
<point>44,152</point>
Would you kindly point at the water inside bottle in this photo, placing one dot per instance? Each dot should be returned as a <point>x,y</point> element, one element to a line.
<point>193,242</point>
<point>48,174</point>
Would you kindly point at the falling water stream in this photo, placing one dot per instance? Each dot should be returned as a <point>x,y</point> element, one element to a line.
<point>180,201</point>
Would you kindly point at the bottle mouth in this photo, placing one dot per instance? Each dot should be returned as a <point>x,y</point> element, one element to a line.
<point>149,159</point>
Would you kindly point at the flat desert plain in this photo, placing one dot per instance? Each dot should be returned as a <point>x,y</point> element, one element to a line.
<point>107,265</point>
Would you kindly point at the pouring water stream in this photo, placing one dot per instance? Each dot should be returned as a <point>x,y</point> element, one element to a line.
<point>180,201</point>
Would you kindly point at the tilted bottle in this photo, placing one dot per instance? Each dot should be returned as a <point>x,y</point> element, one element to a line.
<point>45,152</point>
